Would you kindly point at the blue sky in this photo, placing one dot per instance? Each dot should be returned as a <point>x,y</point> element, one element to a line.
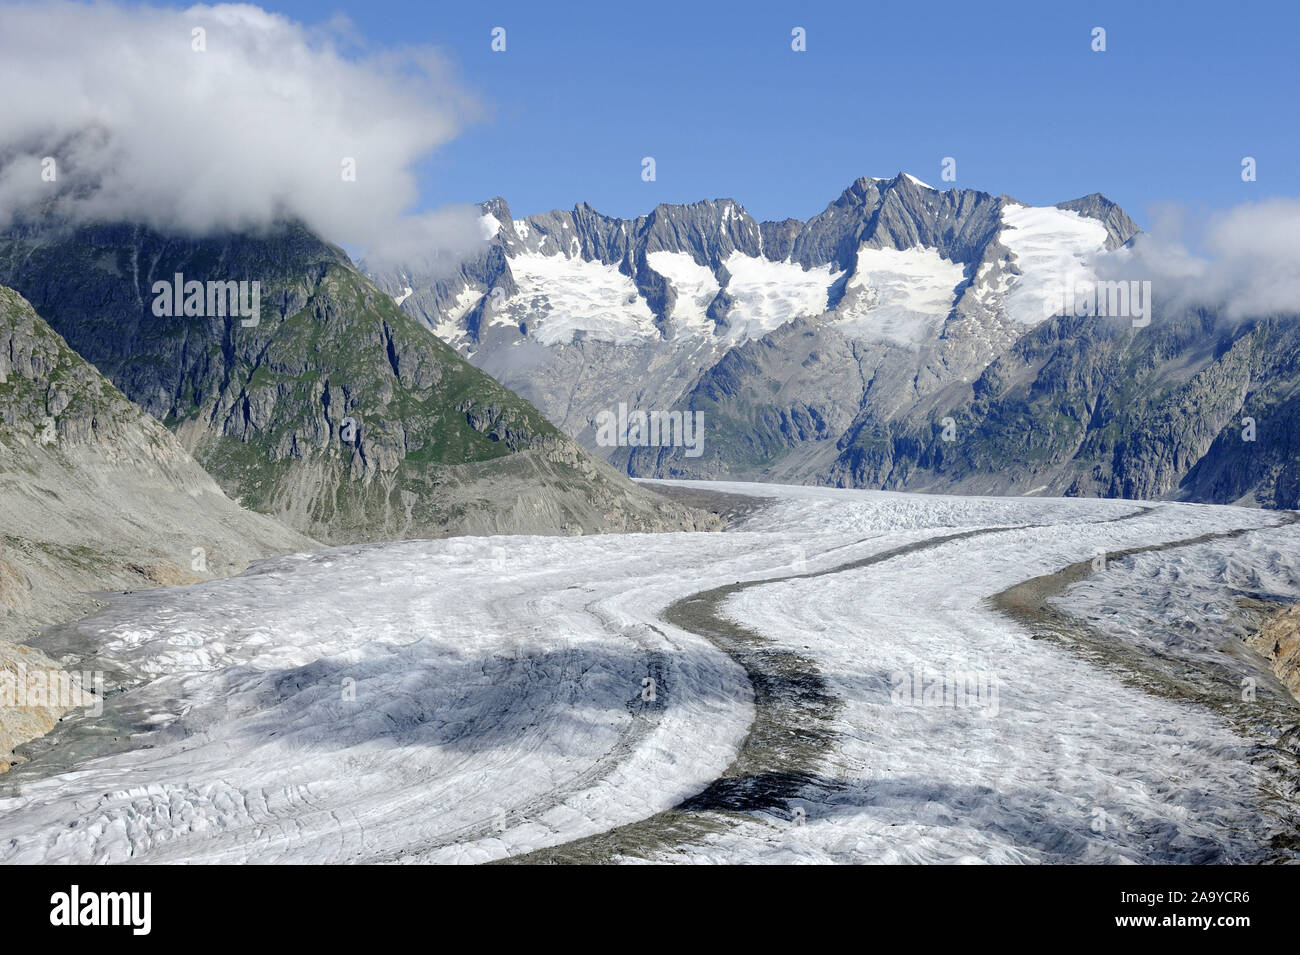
<point>714,92</point>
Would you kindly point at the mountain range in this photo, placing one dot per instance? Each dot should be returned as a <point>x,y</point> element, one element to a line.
<point>904,338</point>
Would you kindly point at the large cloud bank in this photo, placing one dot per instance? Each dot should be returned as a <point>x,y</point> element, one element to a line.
<point>260,124</point>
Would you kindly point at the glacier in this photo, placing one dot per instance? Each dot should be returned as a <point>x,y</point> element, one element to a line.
<point>493,698</point>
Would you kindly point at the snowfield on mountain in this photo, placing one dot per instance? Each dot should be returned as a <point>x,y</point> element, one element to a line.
<point>849,676</point>
<point>837,350</point>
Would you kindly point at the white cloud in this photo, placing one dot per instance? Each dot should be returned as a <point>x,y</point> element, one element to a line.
<point>431,244</point>
<point>1249,267</point>
<point>257,127</point>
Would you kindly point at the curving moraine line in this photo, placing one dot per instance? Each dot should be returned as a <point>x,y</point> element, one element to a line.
<point>1271,720</point>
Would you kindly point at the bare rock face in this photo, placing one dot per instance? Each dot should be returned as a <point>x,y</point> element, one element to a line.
<point>1278,640</point>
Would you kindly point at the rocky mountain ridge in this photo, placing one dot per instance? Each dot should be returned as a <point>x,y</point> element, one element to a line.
<point>906,337</point>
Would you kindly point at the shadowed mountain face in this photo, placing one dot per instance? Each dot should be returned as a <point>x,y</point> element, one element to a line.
<point>331,408</point>
<point>1187,408</point>
<point>97,494</point>
<point>906,337</point>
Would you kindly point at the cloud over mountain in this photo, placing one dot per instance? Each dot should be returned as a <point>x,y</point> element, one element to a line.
<point>1249,265</point>
<point>254,118</point>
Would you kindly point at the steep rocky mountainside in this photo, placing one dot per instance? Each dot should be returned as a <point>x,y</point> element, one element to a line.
<point>335,411</point>
<point>906,337</point>
<point>96,494</point>
<point>1188,408</point>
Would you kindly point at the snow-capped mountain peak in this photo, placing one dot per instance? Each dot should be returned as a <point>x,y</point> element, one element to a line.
<point>709,271</point>
<point>577,310</point>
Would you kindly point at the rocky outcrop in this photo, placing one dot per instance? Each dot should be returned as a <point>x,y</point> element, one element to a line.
<point>1119,227</point>
<point>1278,641</point>
<point>35,693</point>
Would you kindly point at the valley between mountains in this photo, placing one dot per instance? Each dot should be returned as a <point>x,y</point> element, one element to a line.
<point>358,581</point>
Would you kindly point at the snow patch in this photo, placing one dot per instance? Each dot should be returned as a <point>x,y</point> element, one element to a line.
<point>452,327</point>
<point>901,296</point>
<point>695,286</point>
<point>770,294</point>
<point>561,297</point>
<point>1053,249</point>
